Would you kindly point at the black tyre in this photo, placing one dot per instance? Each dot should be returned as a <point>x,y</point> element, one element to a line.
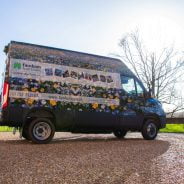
<point>120,133</point>
<point>25,131</point>
<point>149,130</point>
<point>25,134</point>
<point>41,130</point>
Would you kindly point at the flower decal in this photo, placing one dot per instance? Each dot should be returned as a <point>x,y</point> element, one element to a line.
<point>43,102</point>
<point>42,90</point>
<point>25,89</point>
<point>113,107</point>
<point>56,85</point>
<point>29,101</point>
<point>33,89</point>
<point>95,105</point>
<point>53,102</point>
<point>129,100</point>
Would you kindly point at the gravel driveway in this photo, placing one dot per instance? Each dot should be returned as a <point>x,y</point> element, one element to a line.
<point>83,159</point>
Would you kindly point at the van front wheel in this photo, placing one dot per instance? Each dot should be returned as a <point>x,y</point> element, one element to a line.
<point>41,130</point>
<point>120,133</point>
<point>149,130</point>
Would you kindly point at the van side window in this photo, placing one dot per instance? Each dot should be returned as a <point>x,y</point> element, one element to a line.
<point>140,91</point>
<point>128,85</point>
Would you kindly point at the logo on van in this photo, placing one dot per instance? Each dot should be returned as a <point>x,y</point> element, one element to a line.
<point>17,65</point>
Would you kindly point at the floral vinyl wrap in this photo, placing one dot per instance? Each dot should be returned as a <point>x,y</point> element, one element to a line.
<point>71,89</point>
<point>29,52</point>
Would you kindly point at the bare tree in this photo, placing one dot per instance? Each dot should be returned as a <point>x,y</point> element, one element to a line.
<point>160,71</point>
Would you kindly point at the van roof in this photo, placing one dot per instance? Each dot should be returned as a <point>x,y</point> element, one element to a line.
<point>33,52</point>
<point>65,50</point>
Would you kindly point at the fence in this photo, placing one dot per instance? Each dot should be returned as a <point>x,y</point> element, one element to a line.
<point>175,120</point>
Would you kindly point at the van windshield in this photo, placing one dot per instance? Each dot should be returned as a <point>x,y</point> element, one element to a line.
<point>140,91</point>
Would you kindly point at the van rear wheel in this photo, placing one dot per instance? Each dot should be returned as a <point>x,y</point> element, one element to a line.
<point>120,133</point>
<point>149,130</point>
<point>41,130</point>
<point>25,134</point>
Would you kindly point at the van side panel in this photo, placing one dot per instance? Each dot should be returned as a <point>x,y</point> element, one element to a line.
<point>77,90</point>
<point>96,121</point>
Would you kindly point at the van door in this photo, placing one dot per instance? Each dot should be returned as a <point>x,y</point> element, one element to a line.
<point>131,99</point>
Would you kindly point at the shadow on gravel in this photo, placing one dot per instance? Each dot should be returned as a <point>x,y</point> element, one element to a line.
<point>82,159</point>
<point>93,139</point>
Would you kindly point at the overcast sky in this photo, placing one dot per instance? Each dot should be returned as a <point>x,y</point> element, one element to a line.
<point>93,26</point>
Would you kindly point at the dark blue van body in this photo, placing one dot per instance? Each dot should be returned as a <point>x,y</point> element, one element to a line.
<point>50,89</point>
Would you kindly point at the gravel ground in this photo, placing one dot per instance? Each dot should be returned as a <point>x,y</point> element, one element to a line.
<point>81,158</point>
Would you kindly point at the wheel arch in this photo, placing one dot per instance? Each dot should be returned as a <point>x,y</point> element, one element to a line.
<point>153,117</point>
<point>39,113</point>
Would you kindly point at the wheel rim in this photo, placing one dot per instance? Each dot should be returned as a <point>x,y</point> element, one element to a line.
<point>151,130</point>
<point>42,131</point>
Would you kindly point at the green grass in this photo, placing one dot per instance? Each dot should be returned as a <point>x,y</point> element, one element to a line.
<point>5,129</point>
<point>175,128</point>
